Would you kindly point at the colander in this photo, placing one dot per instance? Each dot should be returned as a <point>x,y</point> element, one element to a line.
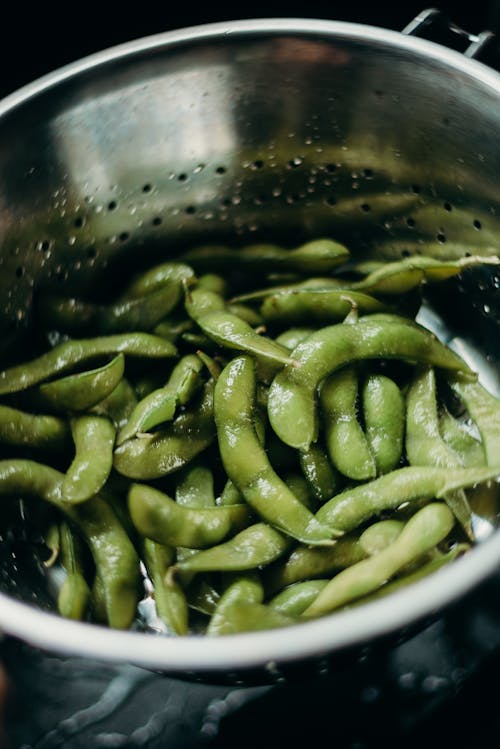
<point>280,129</point>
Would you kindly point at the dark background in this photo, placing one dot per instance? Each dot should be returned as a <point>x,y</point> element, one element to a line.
<point>36,38</point>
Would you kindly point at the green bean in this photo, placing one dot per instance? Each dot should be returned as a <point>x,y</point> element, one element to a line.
<point>231,332</point>
<point>160,275</point>
<point>305,562</point>
<point>402,580</point>
<point>424,444</point>
<point>39,431</point>
<point>81,391</point>
<point>170,600</point>
<point>202,596</point>
<point>94,438</point>
<point>245,616</point>
<point>400,276</point>
<point>292,395</point>
<point>293,336</point>
<point>70,353</point>
<point>293,600</point>
<point>200,301</point>
<point>251,548</point>
<point>321,306</point>
<point>383,409</point>
<point>195,487</point>
<point>118,405</point>
<point>212,282</point>
<point>317,256</point>
<point>113,553</point>
<point>243,588</point>
<point>459,437</point>
<point>158,517</point>
<point>423,531</point>
<point>172,447</point>
<point>246,462</point>
<point>76,316</point>
<point>230,495</point>
<point>484,409</point>
<point>346,442</point>
<point>353,506</point>
<point>379,535</point>
<point>74,595</point>
<point>161,404</point>
<point>319,473</point>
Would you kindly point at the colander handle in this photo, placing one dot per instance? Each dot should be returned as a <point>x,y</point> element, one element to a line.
<point>434,25</point>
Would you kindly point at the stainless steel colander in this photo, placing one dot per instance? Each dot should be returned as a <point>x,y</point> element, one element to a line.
<point>280,129</point>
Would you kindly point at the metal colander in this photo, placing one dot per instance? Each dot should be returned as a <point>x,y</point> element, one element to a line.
<point>276,129</point>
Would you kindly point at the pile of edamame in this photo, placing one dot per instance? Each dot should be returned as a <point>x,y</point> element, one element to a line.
<point>248,438</point>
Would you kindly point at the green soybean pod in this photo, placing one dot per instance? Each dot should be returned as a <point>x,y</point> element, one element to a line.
<point>355,505</point>
<point>245,616</point>
<point>293,336</point>
<point>484,409</point>
<point>158,517</point>
<point>173,446</point>
<point>246,462</point>
<point>383,409</point>
<point>307,563</point>
<point>38,431</point>
<point>160,405</point>
<point>118,405</point>
<point>170,599</point>
<point>321,476</point>
<point>317,256</point>
<point>460,437</point>
<point>158,276</point>
<point>195,487</point>
<point>94,438</point>
<point>400,276</point>
<point>251,548</point>
<point>116,561</point>
<point>345,438</point>
<point>316,306</point>
<point>292,394</point>
<point>423,531</point>
<point>74,595</point>
<point>293,600</point>
<point>70,353</point>
<point>81,391</point>
<point>243,588</point>
<point>231,332</point>
<point>424,443</point>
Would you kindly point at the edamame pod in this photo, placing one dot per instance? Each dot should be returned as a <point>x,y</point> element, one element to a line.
<point>251,548</point>
<point>158,517</point>
<point>94,438</point>
<point>170,600</point>
<point>81,391</point>
<point>246,462</point>
<point>345,439</point>
<point>424,444</point>
<point>317,306</point>
<point>353,506</point>
<point>423,531</point>
<point>70,353</point>
<point>74,595</point>
<point>383,409</point>
<point>172,447</point>
<point>316,256</point>
<point>39,431</point>
<point>292,395</point>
